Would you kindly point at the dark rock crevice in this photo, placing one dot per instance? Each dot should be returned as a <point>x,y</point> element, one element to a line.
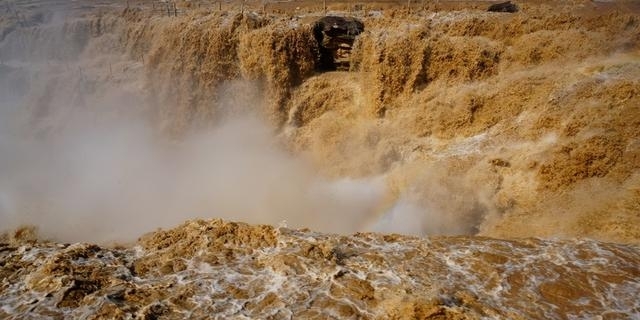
<point>335,36</point>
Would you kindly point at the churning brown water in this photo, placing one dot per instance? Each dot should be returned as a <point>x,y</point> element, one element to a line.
<point>468,165</point>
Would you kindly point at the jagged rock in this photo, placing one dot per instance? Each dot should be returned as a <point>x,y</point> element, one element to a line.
<point>503,7</point>
<point>335,36</point>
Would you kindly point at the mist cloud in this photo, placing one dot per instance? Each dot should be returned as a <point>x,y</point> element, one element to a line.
<point>113,181</point>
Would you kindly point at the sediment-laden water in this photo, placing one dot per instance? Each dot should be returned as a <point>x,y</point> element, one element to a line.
<point>504,146</point>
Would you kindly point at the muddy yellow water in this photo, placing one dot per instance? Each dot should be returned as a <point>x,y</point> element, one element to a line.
<point>214,269</point>
<point>467,165</point>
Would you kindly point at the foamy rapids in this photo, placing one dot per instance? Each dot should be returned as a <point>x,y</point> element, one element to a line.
<point>220,270</point>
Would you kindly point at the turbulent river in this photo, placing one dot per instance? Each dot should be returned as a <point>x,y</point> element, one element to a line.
<point>460,164</point>
<point>213,269</point>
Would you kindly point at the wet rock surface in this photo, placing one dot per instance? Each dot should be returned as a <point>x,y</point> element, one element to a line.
<point>503,7</point>
<point>335,36</point>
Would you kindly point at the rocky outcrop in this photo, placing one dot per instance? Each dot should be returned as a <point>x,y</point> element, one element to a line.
<point>503,7</point>
<point>335,36</point>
